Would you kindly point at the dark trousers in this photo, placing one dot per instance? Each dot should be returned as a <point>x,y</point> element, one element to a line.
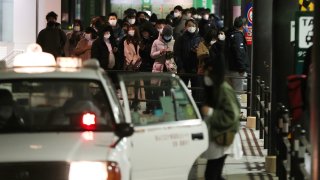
<point>214,168</point>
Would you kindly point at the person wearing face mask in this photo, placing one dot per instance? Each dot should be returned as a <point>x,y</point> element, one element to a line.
<point>104,48</point>
<point>179,20</point>
<point>162,53</point>
<point>221,112</point>
<point>119,34</point>
<point>186,55</point>
<point>73,38</point>
<point>162,50</point>
<point>83,48</point>
<point>131,49</point>
<point>117,29</point>
<point>208,40</point>
<point>52,39</point>
<point>237,55</point>
<point>159,25</point>
<point>205,24</point>
<point>9,120</point>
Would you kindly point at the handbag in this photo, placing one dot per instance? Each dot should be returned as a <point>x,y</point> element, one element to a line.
<point>133,66</point>
<point>225,139</point>
<point>171,65</point>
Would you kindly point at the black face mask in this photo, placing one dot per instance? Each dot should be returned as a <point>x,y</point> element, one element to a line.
<point>51,24</point>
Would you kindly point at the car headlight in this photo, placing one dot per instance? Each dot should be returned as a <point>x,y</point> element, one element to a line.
<point>84,170</point>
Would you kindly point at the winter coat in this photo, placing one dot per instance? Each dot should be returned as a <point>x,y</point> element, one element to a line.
<point>185,52</point>
<point>131,53</point>
<point>72,40</point>
<point>52,40</point>
<point>237,52</point>
<point>145,53</point>
<point>101,52</point>
<point>158,45</point>
<point>179,25</point>
<point>226,112</point>
<point>83,49</point>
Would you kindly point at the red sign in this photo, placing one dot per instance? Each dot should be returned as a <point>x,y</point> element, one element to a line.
<point>248,35</point>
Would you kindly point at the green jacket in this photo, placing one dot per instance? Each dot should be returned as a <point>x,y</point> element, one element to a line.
<point>226,115</point>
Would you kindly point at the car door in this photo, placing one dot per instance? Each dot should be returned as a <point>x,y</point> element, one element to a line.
<point>169,133</point>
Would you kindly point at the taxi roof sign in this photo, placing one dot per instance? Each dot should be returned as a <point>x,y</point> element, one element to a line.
<point>34,57</point>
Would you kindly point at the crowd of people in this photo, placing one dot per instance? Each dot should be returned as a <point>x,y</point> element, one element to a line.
<point>191,42</point>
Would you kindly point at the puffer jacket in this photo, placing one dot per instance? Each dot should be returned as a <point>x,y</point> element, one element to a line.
<point>158,45</point>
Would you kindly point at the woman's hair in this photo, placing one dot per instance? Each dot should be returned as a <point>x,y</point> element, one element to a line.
<point>92,32</point>
<point>211,34</point>
<point>135,39</point>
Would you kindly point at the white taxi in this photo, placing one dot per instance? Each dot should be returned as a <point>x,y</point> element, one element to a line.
<point>63,120</point>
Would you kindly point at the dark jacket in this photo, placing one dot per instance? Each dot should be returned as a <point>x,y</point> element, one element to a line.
<point>99,51</point>
<point>237,52</point>
<point>52,40</point>
<point>144,52</point>
<point>185,52</point>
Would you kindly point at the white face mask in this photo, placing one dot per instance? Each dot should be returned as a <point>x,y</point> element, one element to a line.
<point>76,28</point>
<point>192,29</point>
<point>221,37</point>
<point>207,81</point>
<point>87,36</point>
<point>131,32</point>
<point>112,22</point>
<point>212,42</point>
<point>160,30</point>
<point>206,17</point>
<point>167,38</point>
<point>176,14</point>
<point>106,36</point>
<point>131,21</point>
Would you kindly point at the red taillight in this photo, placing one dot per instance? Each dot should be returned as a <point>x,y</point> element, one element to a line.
<point>113,171</point>
<point>88,120</point>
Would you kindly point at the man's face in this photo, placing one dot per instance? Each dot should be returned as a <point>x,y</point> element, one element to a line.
<point>112,18</point>
<point>51,19</point>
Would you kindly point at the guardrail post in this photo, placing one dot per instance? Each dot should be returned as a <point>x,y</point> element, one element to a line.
<point>257,102</point>
<point>261,104</point>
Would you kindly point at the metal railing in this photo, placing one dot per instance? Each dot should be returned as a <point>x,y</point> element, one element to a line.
<point>262,111</point>
<point>198,90</point>
<point>291,147</point>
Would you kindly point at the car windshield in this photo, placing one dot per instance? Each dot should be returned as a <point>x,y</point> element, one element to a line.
<point>54,105</point>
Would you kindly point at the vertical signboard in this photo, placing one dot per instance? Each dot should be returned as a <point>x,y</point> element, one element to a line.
<point>146,5</point>
<point>249,16</point>
<point>304,38</point>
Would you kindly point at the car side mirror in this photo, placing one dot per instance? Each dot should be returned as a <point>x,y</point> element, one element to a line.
<point>122,130</point>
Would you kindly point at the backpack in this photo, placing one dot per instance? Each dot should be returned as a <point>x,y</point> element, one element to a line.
<point>295,96</point>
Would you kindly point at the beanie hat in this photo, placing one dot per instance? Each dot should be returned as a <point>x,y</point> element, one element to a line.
<point>5,97</point>
<point>167,30</point>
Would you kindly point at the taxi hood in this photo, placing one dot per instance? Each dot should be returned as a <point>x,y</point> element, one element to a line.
<point>75,146</point>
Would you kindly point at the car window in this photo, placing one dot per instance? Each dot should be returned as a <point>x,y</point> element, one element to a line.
<point>158,99</point>
<point>57,105</point>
